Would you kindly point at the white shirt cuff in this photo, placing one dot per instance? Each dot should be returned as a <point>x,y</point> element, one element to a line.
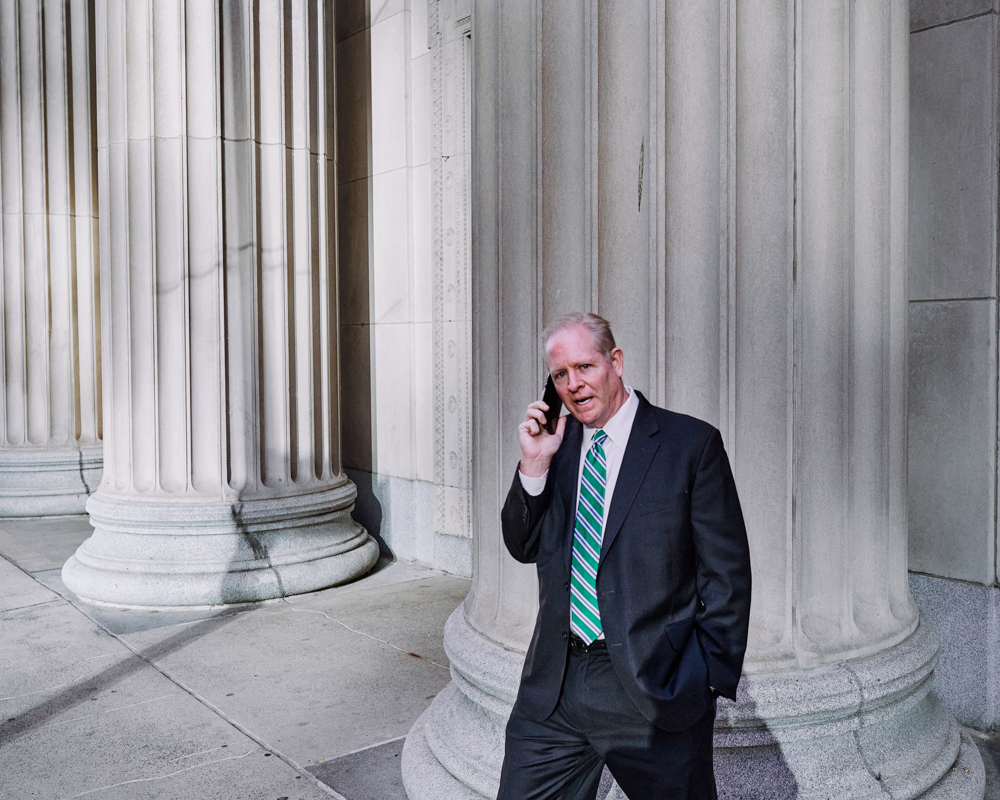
<point>533,486</point>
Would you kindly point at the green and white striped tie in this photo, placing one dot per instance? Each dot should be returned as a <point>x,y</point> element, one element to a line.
<point>584,616</point>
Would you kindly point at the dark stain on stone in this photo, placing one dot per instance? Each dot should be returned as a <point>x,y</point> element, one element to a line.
<point>642,158</point>
<point>79,463</point>
<point>256,545</point>
<point>259,550</point>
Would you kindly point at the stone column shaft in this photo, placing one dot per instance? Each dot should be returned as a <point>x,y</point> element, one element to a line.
<point>223,481</point>
<point>50,405</point>
<point>760,285</point>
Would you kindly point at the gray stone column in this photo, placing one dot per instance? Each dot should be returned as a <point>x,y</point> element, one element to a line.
<point>727,184</point>
<point>223,480</point>
<point>50,403</point>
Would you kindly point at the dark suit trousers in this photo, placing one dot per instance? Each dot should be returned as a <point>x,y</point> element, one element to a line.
<point>595,723</point>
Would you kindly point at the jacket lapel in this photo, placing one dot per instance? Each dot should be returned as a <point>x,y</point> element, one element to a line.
<point>567,483</point>
<point>635,461</point>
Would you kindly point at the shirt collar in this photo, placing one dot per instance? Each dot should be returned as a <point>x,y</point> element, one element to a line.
<point>620,425</point>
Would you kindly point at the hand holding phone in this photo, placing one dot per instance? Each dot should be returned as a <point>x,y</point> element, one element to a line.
<point>540,435</point>
<point>551,398</point>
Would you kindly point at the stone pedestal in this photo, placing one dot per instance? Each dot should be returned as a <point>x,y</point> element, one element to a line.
<point>223,480</point>
<point>50,402</point>
<point>739,215</point>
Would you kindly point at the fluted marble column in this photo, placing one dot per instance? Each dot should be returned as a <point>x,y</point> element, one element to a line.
<point>727,184</point>
<point>223,480</point>
<point>50,402</point>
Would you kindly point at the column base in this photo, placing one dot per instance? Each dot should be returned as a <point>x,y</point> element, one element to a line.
<point>173,554</point>
<point>48,483</point>
<point>862,729</point>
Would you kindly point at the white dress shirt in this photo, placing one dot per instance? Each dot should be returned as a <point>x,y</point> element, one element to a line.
<point>618,429</point>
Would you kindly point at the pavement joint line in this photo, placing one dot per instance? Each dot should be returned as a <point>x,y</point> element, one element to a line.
<point>362,633</point>
<point>203,700</point>
<point>55,599</point>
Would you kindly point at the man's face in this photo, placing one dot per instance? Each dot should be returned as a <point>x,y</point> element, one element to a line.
<point>589,384</point>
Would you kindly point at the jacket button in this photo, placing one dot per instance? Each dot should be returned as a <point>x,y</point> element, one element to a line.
<point>565,637</point>
<point>566,586</point>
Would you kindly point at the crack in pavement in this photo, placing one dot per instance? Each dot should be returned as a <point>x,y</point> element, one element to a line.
<point>157,777</point>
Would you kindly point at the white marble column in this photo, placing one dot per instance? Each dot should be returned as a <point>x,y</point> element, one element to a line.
<point>50,403</point>
<point>223,479</point>
<point>758,284</point>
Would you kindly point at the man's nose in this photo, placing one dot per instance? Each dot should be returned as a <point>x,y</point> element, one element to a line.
<point>574,381</point>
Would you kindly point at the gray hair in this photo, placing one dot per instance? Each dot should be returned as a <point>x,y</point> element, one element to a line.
<point>599,329</point>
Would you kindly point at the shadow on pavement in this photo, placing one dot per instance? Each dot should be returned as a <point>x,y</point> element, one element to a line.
<point>15,727</point>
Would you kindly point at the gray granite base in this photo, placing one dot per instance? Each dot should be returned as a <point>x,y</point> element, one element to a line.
<point>37,482</point>
<point>862,729</point>
<point>968,674</point>
<point>172,554</point>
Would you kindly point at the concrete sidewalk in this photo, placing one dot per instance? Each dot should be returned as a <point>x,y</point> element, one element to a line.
<point>307,697</point>
<point>295,699</point>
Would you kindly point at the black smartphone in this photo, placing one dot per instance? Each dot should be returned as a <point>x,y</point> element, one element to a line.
<point>551,398</point>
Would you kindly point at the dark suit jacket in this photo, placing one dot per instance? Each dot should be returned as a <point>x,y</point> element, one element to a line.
<point>673,582</point>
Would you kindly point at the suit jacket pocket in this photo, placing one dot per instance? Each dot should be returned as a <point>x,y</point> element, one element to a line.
<point>679,632</point>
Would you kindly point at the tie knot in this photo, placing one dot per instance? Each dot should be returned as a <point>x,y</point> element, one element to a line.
<point>598,440</point>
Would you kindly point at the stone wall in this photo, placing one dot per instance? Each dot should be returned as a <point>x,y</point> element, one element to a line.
<point>405,309</point>
<point>953,345</point>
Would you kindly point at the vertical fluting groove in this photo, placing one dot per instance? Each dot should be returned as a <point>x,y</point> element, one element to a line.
<point>75,322</point>
<point>21,294</point>
<point>848,450</point>
<point>659,102</point>
<point>151,299</point>
<point>4,157</point>
<point>226,330</point>
<point>414,421</point>
<point>727,249</point>
<point>502,295</point>
<point>186,331</point>
<point>54,415</point>
<point>15,388</point>
<point>903,604</point>
<point>317,170</point>
<point>93,207</point>
<point>538,109</point>
<point>331,409</point>
<point>647,172</point>
<point>264,421</point>
<point>39,370</point>
<point>286,55</point>
<point>889,315</point>
<point>592,121</point>
<point>795,346</point>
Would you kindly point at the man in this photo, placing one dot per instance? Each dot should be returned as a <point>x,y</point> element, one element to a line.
<point>631,516</point>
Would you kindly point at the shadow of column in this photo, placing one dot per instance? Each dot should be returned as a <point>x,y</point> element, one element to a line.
<point>748,760</point>
<point>352,29</point>
<point>38,716</point>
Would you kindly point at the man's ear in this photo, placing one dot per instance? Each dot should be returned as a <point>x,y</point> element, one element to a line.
<point>618,361</point>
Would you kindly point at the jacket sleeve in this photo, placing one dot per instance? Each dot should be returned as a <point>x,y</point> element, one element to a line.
<point>723,568</point>
<point>521,519</point>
